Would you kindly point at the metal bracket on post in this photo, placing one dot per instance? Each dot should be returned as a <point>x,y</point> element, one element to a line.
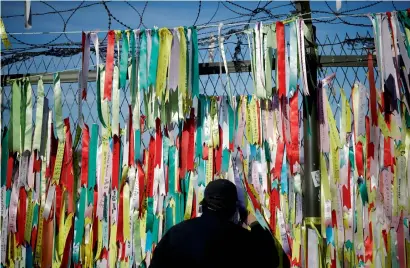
<point>311,194</point>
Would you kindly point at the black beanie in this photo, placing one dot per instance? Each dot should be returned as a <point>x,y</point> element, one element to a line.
<point>221,197</point>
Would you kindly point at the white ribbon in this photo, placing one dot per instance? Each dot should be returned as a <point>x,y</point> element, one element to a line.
<point>49,201</point>
<point>302,55</point>
<point>83,76</point>
<point>27,14</point>
<point>115,103</point>
<point>222,51</point>
<point>260,74</point>
<point>136,108</point>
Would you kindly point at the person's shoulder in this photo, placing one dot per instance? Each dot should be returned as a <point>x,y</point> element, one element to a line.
<point>184,225</point>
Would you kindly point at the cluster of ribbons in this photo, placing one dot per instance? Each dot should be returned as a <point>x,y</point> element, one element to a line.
<point>363,175</point>
<point>106,196</point>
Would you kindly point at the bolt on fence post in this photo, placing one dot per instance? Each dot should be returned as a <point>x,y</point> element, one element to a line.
<point>311,194</point>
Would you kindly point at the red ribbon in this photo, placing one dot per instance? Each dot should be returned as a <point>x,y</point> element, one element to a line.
<point>205,152</point>
<point>131,161</point>
<point>109,65</point>
<point>370,147</point>
<point>280,40</point>
<point>151,166</point>
<point>359,158</point>
<point>36,162</point>
<point>218,154</point>
<point>59,194</point>
<point>83,37</point>
<point>373,100</point>
<point>116,162</point>
<point>387,152</point>
<point>190,155</point>
<point>141,177</point>
<point>279,159</point>
<point>158,143</point>
<point>34,236</point>
<point>193,214</point>
<point>346,197</point>
<point>21,216</point>
<point>255,203</point>
<point>184,150</point>
<point>53,154</point>
<point>368,245</point>
<point>67,169</point>
<point>85,141</point>
<point>10,164</point>
<point>95,222</point>
<point>120,230</point>
<point>67,246</point>
<point>274,203</point>
<point>294,131</point>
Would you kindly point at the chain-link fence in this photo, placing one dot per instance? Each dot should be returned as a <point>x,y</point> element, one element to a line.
<point>343,55</point>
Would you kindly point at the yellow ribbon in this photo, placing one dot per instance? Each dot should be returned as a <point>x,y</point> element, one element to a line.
<point>4,37</point>
<point>165,40</point>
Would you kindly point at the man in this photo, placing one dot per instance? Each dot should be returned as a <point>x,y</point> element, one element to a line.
<point>213,240</point>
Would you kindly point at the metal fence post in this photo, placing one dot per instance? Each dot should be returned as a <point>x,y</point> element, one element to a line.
<point>311,194</point>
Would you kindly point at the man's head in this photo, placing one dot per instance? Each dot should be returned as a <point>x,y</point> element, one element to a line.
<point>220,197</point>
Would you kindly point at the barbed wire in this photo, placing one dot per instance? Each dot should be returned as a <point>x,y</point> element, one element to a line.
<point>234,25</point>
<point>112,16</point>
<point>351,10</point>
<point>199,12</point>
<point>213,16</point>
<point>51,12</point>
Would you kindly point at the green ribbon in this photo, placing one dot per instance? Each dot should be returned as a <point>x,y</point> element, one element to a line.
<point>363,193</point>
<point>29,118</point>
<point>99,99</point>
<point>150,214</point>
<point>142,68</point>
<point>171,157</point>
<point>77,137</point>
<point>15,112</point>
<point>226,154</point>
<point>35,214</point>
<point>92,163</point>
<point>4,158</point>
<point>153,64</point>
<point>155,230</point>
<point>79,223</point>
<point>58,107</point>
<point>267,151</point>
<point>133,86</point>
<point>137,145</point>
<point>124,60</point>
<point>169,216</point>
<point>201,172</point>
<point>405,22</point>
<point>195,66</point>
<point>165,149</point>
<point>231,121</point>
<point>39,115</point>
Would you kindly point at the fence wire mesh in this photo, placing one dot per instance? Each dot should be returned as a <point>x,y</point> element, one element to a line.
<point>214,84</point>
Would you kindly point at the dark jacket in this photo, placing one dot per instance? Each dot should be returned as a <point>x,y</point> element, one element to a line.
<point>209,241</point>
